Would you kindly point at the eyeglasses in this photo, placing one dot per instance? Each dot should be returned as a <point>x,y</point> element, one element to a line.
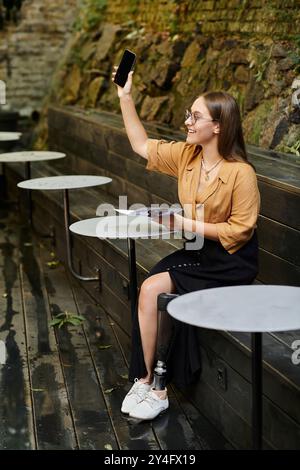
<point>194,117</point>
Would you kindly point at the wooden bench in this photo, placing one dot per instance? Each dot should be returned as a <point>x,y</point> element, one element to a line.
<point>96,144</point>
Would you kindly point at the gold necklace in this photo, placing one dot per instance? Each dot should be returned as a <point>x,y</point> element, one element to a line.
<point>208,171</point>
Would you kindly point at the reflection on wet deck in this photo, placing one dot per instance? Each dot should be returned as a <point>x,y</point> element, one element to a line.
<point>62,388</point>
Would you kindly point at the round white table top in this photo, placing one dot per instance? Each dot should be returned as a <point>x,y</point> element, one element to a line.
<point>115,227</point>
<point>30,156</point>
<point>9,136</point>
<point>64,182</point>
<point>251,308</point>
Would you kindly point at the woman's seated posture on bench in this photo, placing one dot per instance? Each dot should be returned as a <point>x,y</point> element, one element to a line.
<point>212,169</point>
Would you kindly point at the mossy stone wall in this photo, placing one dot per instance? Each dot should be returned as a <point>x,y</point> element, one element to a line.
<point>250,49</point>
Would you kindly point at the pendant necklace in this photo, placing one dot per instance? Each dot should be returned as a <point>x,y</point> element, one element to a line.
<point>206,177</point>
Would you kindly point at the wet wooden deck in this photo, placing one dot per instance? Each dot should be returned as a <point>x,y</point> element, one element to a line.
<point>62,389</point>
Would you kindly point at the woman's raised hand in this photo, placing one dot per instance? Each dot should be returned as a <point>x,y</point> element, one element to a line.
<point>126,91</point>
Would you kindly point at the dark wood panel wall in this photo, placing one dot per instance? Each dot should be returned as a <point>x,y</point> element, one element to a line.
<point>98,143</point>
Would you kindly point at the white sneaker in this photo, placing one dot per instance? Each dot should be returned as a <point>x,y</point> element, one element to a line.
<point>150,407</point>
<point>135,395</point>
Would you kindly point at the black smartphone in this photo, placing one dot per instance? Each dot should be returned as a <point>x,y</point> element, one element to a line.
<point>125,66</point>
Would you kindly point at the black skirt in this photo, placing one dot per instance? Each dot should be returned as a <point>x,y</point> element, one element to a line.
<point>192,270</point>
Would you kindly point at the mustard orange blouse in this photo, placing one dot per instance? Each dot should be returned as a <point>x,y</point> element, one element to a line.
<point>232,201</point>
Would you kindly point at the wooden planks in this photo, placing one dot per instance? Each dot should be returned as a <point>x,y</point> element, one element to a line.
<point>16,414</point>
<point>54,423</point>
<point>197,432</point>
<point>279,243</point>
<point>276,270</point>
<point>92,421</point>
<point>112,374</point>
<point>233,420</point>
<point>279,204</point>
<point>281,395</point>
<point>77,375</point>
<point>278,225</point>
<point>279,239</point>
<point>112,260</point>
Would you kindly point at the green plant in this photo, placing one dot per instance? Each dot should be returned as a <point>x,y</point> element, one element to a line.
<point>297,40</point>
<point>295,58</point>
<point>133,7</point>
<point>295,148</point>
<point>66,317</point>
<point>259,61</point>
<point>262,67</point>
<point>242,8</point>
<point>90,15</point>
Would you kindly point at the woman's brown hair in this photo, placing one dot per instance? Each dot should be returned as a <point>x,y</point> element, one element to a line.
<point>224,109</point>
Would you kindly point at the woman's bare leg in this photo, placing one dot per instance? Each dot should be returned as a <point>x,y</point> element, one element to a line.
<point>147,312</point>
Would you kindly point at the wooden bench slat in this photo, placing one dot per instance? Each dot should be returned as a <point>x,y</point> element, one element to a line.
<point>278,239</point>
<point>275,270</point>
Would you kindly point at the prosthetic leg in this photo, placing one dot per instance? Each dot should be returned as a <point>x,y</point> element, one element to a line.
<point>165,332</point>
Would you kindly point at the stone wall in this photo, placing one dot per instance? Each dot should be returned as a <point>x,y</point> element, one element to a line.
<point>249,48</point>
<point>30,51</point>
<point>255,17</point>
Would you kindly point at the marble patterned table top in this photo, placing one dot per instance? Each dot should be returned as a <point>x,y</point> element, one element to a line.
<point>250,308</point>
<point>120,227</point>
<point>64,182</point>
<point>30,156</point>
<point>9,136</point>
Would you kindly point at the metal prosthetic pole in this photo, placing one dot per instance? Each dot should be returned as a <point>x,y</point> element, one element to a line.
<point>165,330</point>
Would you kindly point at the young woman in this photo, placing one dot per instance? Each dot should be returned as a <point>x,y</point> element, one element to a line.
<point>212,170</point>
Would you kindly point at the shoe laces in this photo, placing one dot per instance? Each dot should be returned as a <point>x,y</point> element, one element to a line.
<point>151,399</point>
<point>138,389</point>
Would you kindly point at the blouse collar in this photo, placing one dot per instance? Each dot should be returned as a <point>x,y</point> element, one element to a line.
<point>225,169</point>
